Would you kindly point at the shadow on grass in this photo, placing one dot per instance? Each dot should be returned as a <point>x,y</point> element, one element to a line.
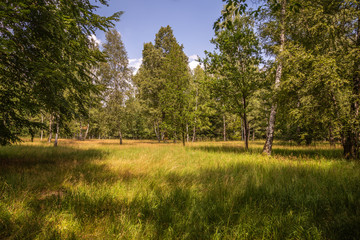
<point>331,154</point>
<point>43,182</point>
<point>240,201</point>
<point>244,202</point>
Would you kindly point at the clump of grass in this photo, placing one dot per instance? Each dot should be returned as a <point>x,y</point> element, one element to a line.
<point>144,190</point>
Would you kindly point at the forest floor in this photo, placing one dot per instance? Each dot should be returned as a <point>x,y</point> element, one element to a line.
<point>97,189</point>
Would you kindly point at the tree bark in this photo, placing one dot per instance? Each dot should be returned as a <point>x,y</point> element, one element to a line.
<point>187,132</point>
<point>120,136</point>
<point>42,129</point>
<point>224,128</point>
<point>50,128</point>
<point>80,133</point>
<point>246,127</point>
<point>271,127</point>
<point>32,133</point>
<point>242,129</point>
<point>57,131</point>
<point>87,131</point>
<point>157,132</point>
<point>183,137</point>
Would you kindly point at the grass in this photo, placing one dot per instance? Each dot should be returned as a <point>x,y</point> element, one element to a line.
<point>144,190</point>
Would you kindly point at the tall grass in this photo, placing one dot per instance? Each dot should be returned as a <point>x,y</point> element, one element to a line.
<point>144,190</point>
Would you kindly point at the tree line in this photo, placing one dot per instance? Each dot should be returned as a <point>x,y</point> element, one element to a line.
<point>288,70</point>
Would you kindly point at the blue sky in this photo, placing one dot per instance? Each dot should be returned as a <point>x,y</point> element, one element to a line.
<point>191,21</point>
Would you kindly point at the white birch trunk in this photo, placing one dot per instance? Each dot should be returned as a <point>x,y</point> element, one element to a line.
<point>271,127</point>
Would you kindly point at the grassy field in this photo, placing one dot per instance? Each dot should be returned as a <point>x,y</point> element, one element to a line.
<point>144,190</point>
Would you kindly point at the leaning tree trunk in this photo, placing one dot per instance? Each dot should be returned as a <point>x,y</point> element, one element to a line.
<point>57,131</point>
<point>80,133</point>
<point>87,131</point>
<point>50,128</point>
<point>271,127</point>
<point>351,138</point>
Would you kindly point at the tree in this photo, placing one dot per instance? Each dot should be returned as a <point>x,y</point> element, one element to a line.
<point>162,81</point>
<point>174,97</point>
<point>149,85</point>
<point>115,76</point>
<point>45,60</point>
<point>281,25</point>
<point>236,66</point>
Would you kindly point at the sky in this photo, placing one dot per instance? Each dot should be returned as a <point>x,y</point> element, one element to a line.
<point>191,21</point>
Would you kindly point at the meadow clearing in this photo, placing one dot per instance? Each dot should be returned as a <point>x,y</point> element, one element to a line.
<point>97,189</point>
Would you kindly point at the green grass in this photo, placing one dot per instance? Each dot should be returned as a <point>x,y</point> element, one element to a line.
<point>145,190</point>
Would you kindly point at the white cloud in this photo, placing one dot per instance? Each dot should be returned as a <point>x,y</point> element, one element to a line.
<point>193,61</point>
<point>135,64</point>
<point>95,39</point>
<point>193,64</point>
<point>193,57</point>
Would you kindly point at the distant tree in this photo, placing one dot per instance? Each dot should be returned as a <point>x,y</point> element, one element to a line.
<point>162,82</point>
<point>115,75</point>
<point>149,85</point>
<point>236,66</point>
<point>174,96</point>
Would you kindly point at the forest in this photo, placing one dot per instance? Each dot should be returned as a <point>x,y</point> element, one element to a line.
<point>260,141</point>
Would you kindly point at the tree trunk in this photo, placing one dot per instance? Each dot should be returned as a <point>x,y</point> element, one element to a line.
<point>246,127</point>
<point>351,141</point>
<point>57,131</point>
<point>120,136</point>
<point>183,137</point>
<point>175,136</point>
<point>157,132</point>
<point>80,133</point>
<point>194,132</point>
<point>253,135</point>
<point>32,133</point>
<point>42,129</point>
<point>50,128</point>
<point>224,128</point>
<point>271,127</point>
<point>331,136</point>
<point>87,131</point>
<point>187,132</point>
<point>163,136</point>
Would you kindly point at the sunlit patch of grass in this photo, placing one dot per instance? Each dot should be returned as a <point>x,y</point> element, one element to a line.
<point>98,189</point>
